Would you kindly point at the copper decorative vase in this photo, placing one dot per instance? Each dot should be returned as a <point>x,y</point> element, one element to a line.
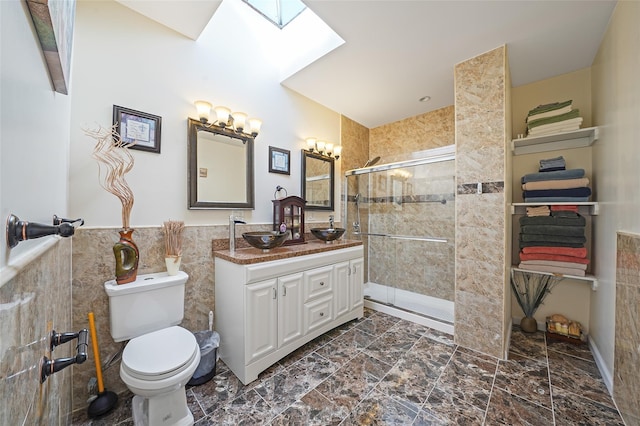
<point>127,256</point>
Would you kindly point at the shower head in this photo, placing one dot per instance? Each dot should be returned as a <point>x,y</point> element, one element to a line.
<point>371,162</point>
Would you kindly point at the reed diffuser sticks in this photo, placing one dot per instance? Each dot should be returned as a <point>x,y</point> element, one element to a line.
<point>173,237</point>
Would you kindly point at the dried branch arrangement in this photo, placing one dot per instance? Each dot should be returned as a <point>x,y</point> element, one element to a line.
<point>115,160</point>
<point>530,289</point>
<point>173,237</point>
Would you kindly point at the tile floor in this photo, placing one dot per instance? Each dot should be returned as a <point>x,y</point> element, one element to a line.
<point>383,370</point>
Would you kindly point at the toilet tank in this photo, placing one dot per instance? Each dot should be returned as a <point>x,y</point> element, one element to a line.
<point>152,302</point>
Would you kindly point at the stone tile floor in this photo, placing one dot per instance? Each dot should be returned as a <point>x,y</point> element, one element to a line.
<point>383,370</point>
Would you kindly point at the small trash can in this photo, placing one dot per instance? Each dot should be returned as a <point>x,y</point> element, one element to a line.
<point>208,341</point>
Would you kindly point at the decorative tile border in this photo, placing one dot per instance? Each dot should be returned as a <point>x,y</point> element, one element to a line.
<point>487,188</point>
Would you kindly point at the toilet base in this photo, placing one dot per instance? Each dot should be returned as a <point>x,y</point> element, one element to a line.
<point>169,409</point>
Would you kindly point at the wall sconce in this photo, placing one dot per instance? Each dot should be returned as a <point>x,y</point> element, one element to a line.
<point>323,148</point>
<point>237,121</point>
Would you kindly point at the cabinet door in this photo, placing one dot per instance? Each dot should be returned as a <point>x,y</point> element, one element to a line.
<point>341,288</point>
<point>261,319</point>
<point>356,281</point>
<point>289,308</point>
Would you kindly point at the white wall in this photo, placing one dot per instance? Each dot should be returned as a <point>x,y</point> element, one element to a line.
<point>616,181</point>
<point>126,59</point>
<point>34,131</point>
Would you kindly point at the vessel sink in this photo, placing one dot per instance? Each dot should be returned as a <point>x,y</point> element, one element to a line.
<point>265,240</point>
<point>328,234</point>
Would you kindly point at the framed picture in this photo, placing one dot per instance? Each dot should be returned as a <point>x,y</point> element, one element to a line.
<point>53,21</point>
<point>279,160</point>
<point>139,128</point>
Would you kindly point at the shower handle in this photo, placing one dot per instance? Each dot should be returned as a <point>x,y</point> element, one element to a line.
<point>50,366</point>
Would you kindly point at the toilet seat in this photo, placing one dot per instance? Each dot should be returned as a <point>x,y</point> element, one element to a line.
<point>160,354</point>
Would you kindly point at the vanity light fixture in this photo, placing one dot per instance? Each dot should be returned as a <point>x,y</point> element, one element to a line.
<point>323,148</point>
<point>237,121</point>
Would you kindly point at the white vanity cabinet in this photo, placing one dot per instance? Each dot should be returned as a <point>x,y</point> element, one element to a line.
<point>266,310</point>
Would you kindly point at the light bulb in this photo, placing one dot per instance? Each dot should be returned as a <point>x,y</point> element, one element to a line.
<point>204,109</point>
<point>337,150</point>
<point>222,115</point>
<point>311,144</point>
<point>254,126</point>
<point>239,120</point>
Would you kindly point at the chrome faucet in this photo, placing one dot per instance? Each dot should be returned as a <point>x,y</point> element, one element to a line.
<point>331,223</point>
<point>232,232</point>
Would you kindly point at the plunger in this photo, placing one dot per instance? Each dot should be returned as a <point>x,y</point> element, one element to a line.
<point>106,400</point>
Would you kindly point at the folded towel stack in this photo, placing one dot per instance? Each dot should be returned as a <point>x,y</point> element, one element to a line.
<point>553,242</point>
<point>564,185</point>
<point>551,118</point>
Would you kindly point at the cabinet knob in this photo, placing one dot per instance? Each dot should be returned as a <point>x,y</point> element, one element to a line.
<point>321,314</point>
<point>321,282</point>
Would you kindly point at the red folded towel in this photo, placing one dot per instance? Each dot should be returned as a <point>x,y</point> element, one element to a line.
<point>559,208</point>
<point>565,251</point>
<point>557,257</point>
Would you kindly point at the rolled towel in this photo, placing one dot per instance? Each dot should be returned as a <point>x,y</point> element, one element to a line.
<point>556,184</point>
<point>558,175</point>
<point>577,220</point>
<point>580,266</point>
<point>556,230</point>
<point>556,257</point>
<point>565,251</point>
<point>555,270</point>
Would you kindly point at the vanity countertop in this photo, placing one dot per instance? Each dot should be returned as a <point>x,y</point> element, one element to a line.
<point>247,256</point>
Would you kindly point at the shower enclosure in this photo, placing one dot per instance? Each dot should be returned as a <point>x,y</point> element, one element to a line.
<point>404,213</point>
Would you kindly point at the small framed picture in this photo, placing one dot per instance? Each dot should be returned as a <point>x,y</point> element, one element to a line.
<point>279,160</point>
<point>137,127</point>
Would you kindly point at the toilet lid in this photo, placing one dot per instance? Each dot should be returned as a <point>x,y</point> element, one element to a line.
<point>160,353</point>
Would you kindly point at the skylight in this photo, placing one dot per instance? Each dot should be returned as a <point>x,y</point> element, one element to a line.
<point>280,12</point>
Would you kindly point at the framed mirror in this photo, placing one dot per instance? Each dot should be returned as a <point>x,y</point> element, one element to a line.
<point>220,168</point>
<point>317,181</point>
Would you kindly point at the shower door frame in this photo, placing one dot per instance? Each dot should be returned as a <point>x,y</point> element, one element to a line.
<point>435,155</point>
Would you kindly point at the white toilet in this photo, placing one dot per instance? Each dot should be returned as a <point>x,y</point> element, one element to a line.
<point>161,357</point>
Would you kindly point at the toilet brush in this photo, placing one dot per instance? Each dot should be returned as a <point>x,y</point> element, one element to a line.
<point>106,400</point>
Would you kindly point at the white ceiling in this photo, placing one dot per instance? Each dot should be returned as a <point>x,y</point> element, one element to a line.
<point>397,51</point>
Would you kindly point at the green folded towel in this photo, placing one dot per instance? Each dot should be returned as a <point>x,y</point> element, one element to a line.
<point>559,230</point>
<point>549,107</point>
<point>555,119</point>
<point>576,220</point>
<point>540,238</point>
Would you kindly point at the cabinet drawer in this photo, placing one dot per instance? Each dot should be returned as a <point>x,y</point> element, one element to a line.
<point>318,313</point>
<point>318,282</point>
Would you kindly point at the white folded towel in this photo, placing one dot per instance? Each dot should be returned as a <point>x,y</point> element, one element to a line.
<point>562,126</point>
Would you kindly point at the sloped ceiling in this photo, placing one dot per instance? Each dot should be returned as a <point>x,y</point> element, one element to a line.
<point>187,17</point>
<point>397,51</point>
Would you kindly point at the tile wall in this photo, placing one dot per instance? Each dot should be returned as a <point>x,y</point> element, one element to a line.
<point>626,388</point>
<point>481,282</point>
<point>35,299</point>
<point>93,264</point>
